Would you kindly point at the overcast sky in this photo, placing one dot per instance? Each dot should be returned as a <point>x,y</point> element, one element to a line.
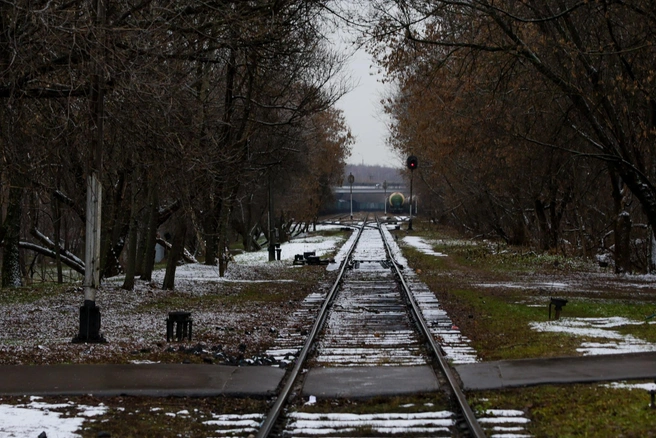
<point>364,114</point>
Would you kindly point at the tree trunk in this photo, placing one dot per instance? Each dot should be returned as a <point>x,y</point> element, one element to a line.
<point>518,236</point>
<point>144,223</point>
<point>151,236</point>
<point>210,229</point>
<point>142,232</point>
<point>11,272</point>
<point>248,230</point>
<point>652,251</point>
<point>223,242</point>
<point>543,225</point>
<point>176,252</point>
<point>246,224</point>
<point>622,225</point>
<point>131,262</point>
<point>582,234</point>
<point>116,230</point>
<point>622,243</point>
<point>56,223</point>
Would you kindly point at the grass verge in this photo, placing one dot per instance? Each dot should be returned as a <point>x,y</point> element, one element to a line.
<point>576,410</point>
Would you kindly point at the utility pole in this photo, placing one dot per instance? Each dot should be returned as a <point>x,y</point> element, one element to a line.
<point>412,163</point>
<point>89,312</point>
<point>351,180</point>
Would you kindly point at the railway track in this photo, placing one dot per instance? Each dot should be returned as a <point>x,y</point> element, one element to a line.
<point>370,319</point>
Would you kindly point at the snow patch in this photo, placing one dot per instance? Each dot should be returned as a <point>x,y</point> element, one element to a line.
<point>631,386</point>
<point>35,417</point>
<point>421,245</point>
<point>598,328</point>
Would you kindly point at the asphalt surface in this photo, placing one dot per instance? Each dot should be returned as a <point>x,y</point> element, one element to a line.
<point>365,382</point>
<point>162,380</point>
<point>557,370</point>
<point>155,380</point>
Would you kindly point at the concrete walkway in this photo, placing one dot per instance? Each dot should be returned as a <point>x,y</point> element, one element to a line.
<point>161,380</point>
<point>366,382</point>
<point>585,369</point>
<point>155,380</point>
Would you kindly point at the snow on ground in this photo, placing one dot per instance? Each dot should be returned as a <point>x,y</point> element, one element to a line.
<point>421,245</point>
<point>42,330</point>
<point>31,419</point>
<point>46,326</point>
<point>584,283</point>
<point>236,423</point>
<point>526,285</point>
<point>608,341</point>
<point>317,424</point>
<point>321,245</point>
<point>631,386</point>
<point>342,253</point>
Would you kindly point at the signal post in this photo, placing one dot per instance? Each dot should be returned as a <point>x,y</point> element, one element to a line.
<point>412,163</point>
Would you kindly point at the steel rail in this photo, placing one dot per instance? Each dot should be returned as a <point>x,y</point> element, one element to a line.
<point>276,409</point>
<point>472,423</point>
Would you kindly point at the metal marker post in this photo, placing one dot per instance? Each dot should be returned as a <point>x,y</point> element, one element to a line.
<point>410,203</point>
<point>351,180</point>
<point>412,163</point>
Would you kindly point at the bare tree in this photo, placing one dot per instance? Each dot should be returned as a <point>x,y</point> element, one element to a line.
<point>586,65</point>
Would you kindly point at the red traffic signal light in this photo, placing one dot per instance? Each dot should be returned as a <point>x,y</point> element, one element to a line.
<point>412,162</point>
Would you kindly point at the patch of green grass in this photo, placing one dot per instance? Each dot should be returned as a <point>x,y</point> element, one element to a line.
<point>576,410</point>
<point>505,259</point>
<point>297,285</point>
<point>496,256</point>
<point>230,294</point>
<point>32,293</point>
<point>419,259</point>
<point>635,311</point>
<point>174,300</point>
<point>579,307</point>
<point>646,332</point>
<point>499,325</point>
<point>261,293</point>
<point>500,328</point>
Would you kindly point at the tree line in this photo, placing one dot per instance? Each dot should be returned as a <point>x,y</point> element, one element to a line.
<point>368,174</point>
<point>534,120</point>
<point>192,113</point>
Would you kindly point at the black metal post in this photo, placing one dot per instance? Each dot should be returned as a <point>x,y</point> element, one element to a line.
<point>351,180</point>
<point>89,324</point>
<point>272,223</point>
<point>412,173</point>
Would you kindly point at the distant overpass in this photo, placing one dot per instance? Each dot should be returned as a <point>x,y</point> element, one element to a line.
<point>368,197</point>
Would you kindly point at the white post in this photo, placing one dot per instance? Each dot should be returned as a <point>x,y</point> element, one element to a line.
<point>92,241</point>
